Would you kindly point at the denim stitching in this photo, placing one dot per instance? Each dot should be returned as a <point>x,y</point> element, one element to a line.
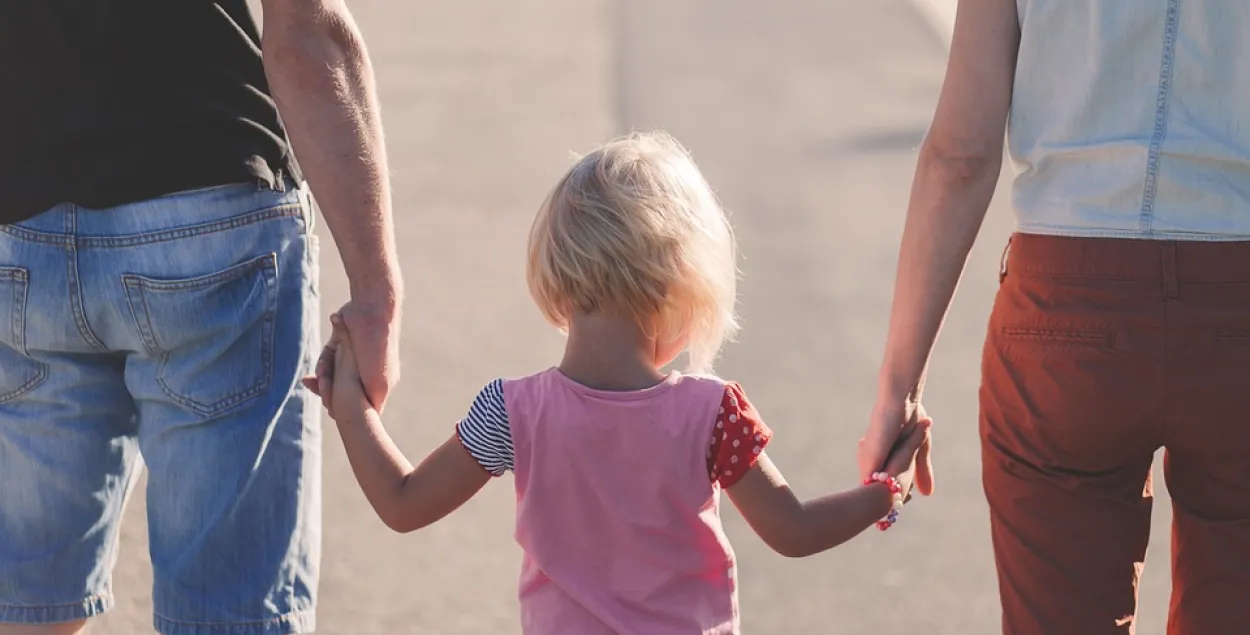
<point>265,263</point>
<point>285,617</point>
<point>268,267</point>
<point>17,322</point>
<point>18,316</point>
<point>284,210</point>
<point>75,286</point>
<point>1042,230</point>
<point>34,382</point>
<point>1161,115</point>
<point>89,598</point>
<point>144,325</point>
<point>34,614</point>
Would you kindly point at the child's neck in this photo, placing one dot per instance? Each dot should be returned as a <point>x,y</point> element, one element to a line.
<point>606,352</point>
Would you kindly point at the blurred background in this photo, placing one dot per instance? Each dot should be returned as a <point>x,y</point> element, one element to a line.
<point>805,115</point>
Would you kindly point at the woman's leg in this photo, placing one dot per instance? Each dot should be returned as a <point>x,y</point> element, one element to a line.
<point>1070,418</point>
<point>1208,439</point>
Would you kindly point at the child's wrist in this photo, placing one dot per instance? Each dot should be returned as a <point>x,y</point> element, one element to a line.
<point>894,489</point>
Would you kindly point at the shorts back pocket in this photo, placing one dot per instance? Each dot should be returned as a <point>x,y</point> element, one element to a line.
<point>19,374</point>
<point>212,336</point>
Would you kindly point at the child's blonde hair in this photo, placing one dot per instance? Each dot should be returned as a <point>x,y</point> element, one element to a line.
<point>633,227</point>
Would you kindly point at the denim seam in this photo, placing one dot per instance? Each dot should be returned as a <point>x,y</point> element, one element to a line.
<point>75,286</point>
<point>60,605</point>
<point>265,263</point>
<point>32,614</point>
<point>143,325</point>
<point>17,320</point>
<point>267,266</point>
<point>28,386</point>
<point>281,619</point>
<point>1166,67</point>
<point>89,598</point>
<point>285,210</point>
<point>1131,234</point>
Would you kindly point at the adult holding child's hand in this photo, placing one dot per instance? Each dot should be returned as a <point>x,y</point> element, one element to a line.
<point>890,418</point>
<point>1124,305</point>
<point>374,328</point>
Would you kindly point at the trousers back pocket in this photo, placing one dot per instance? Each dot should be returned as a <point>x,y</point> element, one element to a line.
<point>1070,337</point>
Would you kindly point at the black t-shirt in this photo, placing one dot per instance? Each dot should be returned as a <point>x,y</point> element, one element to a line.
<point>106,102</point>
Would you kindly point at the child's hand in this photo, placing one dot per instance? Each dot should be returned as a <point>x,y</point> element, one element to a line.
<point>348,388</point>
<point>901,464</point>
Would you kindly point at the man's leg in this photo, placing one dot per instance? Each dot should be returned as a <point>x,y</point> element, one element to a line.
<point>216,290</point>
<point>69,628</point>
<point>68,453</point>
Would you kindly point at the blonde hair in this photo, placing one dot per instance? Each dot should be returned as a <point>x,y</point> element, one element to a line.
<point>633,227</point>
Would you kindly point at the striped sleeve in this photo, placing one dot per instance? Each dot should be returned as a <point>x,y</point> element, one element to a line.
<point>485,432</point>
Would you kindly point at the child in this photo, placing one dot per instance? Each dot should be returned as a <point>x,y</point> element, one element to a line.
<point>618,466</point>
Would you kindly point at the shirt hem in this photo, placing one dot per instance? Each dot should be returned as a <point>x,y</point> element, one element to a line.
<point>1129,234</point>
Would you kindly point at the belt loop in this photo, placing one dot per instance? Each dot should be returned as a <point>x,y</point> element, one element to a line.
<point>1169,270</point>
<point>1002,262</point>
<point>308,206</point>
<point>276,182</point>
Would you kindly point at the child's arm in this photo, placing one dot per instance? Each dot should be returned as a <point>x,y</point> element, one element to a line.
<point>795,528</point>
<point>406,499</point>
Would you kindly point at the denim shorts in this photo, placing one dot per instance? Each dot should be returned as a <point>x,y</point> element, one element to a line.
<point>170,333</point>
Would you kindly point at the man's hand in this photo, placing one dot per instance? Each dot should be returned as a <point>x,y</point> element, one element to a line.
<point>886,425</point>
<point>374,332</point>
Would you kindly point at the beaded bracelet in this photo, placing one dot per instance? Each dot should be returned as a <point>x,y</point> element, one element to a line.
<point>896,496</point>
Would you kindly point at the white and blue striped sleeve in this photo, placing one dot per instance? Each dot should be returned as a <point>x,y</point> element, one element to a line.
<point>485,432</point>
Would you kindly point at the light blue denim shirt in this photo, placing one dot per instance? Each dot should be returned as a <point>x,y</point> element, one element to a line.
<point>1131,119</point>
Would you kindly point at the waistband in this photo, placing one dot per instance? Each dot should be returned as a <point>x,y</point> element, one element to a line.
<point>1167,261</point>
<point>225,204</point>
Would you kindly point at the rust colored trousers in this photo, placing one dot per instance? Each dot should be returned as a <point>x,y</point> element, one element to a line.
<point>1100,351</point>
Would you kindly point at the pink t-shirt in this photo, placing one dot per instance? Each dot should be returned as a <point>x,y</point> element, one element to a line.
<point>617,513</point>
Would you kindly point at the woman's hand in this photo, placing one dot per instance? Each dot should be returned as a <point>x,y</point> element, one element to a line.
<point>904,459</point>
<point>886,426</point>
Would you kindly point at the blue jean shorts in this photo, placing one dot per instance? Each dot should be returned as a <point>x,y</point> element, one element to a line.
<point>170,333</point>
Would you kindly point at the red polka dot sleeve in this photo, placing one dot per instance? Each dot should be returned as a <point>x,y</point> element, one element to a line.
<point>738,438</point>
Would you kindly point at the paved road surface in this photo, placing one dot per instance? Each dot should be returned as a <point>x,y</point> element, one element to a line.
<point>805,115</point>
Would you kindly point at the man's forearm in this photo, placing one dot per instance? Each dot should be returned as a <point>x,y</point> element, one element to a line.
<point>323,83</point>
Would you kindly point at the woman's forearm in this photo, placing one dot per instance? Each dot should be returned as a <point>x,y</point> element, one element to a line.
<point>949,198</point>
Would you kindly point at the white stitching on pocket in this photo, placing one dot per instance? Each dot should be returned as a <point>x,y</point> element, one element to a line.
<point>169,315</point>
<point>14,360</point>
